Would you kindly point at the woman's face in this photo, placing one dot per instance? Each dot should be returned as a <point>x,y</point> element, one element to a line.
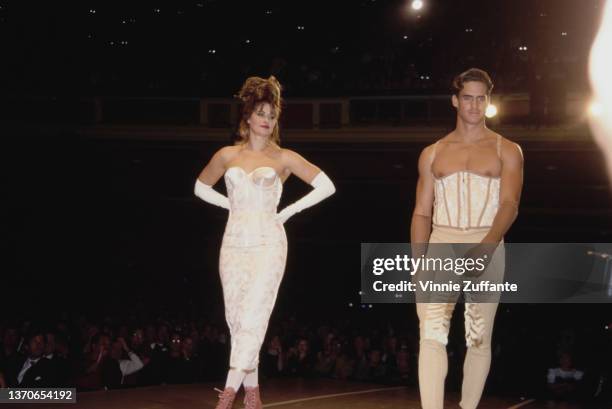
<point>263,120</point>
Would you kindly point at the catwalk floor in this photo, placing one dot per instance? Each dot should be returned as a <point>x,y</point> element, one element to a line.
<point>283,393</point>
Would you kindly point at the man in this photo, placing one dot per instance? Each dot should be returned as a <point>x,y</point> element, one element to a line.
<point>99,369</point>
<point>33,371</point>
<point>469,189</point>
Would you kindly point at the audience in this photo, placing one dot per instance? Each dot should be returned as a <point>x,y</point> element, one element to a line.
<point>120,352</point>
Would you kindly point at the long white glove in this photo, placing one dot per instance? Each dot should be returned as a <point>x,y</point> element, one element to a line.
<point>323,188</point>
<point>210,195</point>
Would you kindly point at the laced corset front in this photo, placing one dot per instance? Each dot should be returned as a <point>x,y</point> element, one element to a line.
<point>466,200</point>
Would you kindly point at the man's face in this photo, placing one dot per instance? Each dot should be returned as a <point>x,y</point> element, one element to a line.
<point>472,102</point>
<point>37,346</point>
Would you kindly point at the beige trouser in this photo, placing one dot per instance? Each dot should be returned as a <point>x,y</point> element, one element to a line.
<point>434,325</point>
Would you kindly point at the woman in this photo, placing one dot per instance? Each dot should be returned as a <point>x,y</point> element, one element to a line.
<point>472,179</point>
<point>254,248</point>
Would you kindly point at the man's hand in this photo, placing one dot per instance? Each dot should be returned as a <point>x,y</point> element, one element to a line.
<point>483,251</point>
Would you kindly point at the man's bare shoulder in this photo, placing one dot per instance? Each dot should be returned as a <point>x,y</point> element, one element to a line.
<point>508,147</point>
<point>448,138</point>
<point>428,150</point>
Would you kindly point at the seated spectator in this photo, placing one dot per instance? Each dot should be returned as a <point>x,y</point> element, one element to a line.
<point>33,371</point>
<point>300,361</point>
<point>343,368</point>
<point>326,359</point>
<point>273,358</point>
<point>56,351</point>
<point>214,354</point>
<point>377,369</point>
<point>138,346</point>
<point>99,369</point>
<point>9,355</point>
<point>182,365</point>
<point>129,366</point>
<point>389,357</point>
<point>156,370</point>
<point>10,343</point>
<point>564,381</point>
<point>361,369</point>
<point>403,365</point>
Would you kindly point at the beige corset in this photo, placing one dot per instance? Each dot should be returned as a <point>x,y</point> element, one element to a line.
<point>465,200</point>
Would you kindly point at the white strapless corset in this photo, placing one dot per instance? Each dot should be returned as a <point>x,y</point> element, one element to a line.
<point>465,200</point>
<point>254,199</point>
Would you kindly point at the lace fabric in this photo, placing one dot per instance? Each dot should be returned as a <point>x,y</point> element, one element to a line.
<point>252,260</point>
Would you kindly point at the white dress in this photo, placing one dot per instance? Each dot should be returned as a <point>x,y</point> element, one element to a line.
<point>252,260</point>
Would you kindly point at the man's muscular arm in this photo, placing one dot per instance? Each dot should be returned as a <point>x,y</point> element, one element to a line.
<point>420,228</point>
<point>510,192</point>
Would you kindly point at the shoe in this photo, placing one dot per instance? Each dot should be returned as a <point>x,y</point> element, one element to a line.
<point>226,398</point>
<point>252,399</point>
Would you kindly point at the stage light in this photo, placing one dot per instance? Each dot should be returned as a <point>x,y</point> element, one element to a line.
<point>92,11</point>
<point>600,67</point>
<point>491,111</point>
<point>417,5</point>
<point>595,109</point>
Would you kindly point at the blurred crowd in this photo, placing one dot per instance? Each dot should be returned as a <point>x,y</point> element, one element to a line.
<point>115,352</point>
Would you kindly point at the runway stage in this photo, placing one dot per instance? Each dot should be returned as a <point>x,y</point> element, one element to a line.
<point>278,393</point>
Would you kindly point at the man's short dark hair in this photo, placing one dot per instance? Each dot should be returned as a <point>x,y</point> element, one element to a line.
<point>34,332</point>
<point>473,74</point>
